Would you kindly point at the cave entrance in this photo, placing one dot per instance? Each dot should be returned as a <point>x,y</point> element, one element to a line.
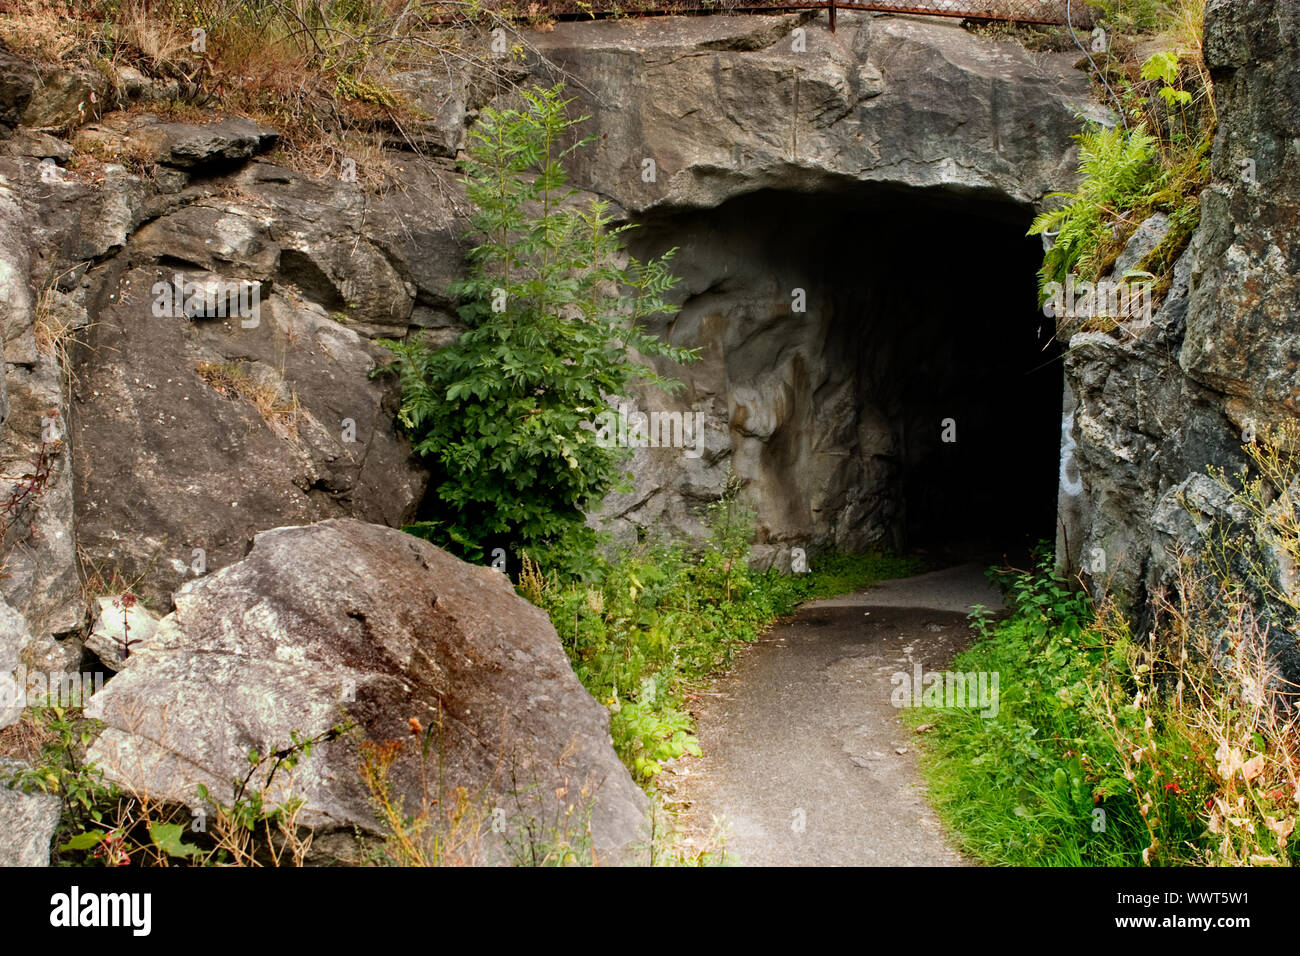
<point>880,362</point>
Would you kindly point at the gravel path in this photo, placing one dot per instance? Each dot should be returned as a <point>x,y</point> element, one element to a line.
<point>805,759</point>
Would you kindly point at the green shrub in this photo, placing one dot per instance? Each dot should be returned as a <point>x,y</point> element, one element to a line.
<point>504,416</point>
<point>1156,159</point>
<point>1020,788</point>
<point>1107,751</point>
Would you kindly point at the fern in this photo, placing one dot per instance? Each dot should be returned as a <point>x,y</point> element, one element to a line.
<point>1121,171</point>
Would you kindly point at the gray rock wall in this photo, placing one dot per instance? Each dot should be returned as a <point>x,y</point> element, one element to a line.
<point>1220,362</point>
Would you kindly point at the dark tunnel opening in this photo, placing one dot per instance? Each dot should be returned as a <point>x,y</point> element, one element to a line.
<point>916,400</point>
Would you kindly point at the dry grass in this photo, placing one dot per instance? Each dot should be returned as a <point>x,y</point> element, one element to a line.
<point>1035,38</point>
<point>1208,678</point>
<point>37,31</point>
<point>26,740</point>
<point>1185,36</point>
<point>163,42</point>
<point>98,582</point>
<point>92,153</point>
<point>1215,692</point>
<point>674,842</point>
<point>54,328</point>
<point>452,826</point>
<point>278,406</point>
<point>235,193</point>
<point>322,72</point>
<point>447,829</point>
<point>375,168</point>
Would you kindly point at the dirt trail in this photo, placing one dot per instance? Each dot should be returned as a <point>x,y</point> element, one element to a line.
<point>802,745</point>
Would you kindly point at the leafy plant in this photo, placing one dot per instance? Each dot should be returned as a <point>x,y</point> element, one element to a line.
<point>88,800</point>
<point>1162,66</point>
<point>1119,175</point>
<point>111,824</point>
<point>1043,782</point>
<point>1181,748</point>
<point>504,415</point>
<point>1155,160</point>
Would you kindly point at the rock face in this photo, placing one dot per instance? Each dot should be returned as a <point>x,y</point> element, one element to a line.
<point>203,432</point>
<point>36,530</point>
<point>15,645</point>
<point>212,424</point>
<point>1138,429</point>
<point>1243,328</point>
<point>795,171</point>
<point>1221,359</point>
<point>729,105</point>
<point>27,820</point>
<point>184,433</point>
<point>348,622</point>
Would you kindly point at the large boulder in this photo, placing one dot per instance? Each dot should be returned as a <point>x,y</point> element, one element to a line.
<point>344,621</point>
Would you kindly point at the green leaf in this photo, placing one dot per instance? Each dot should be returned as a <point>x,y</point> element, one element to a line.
<point>167,837</point>
<point>84,841</point>
<point>1162,66</point>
